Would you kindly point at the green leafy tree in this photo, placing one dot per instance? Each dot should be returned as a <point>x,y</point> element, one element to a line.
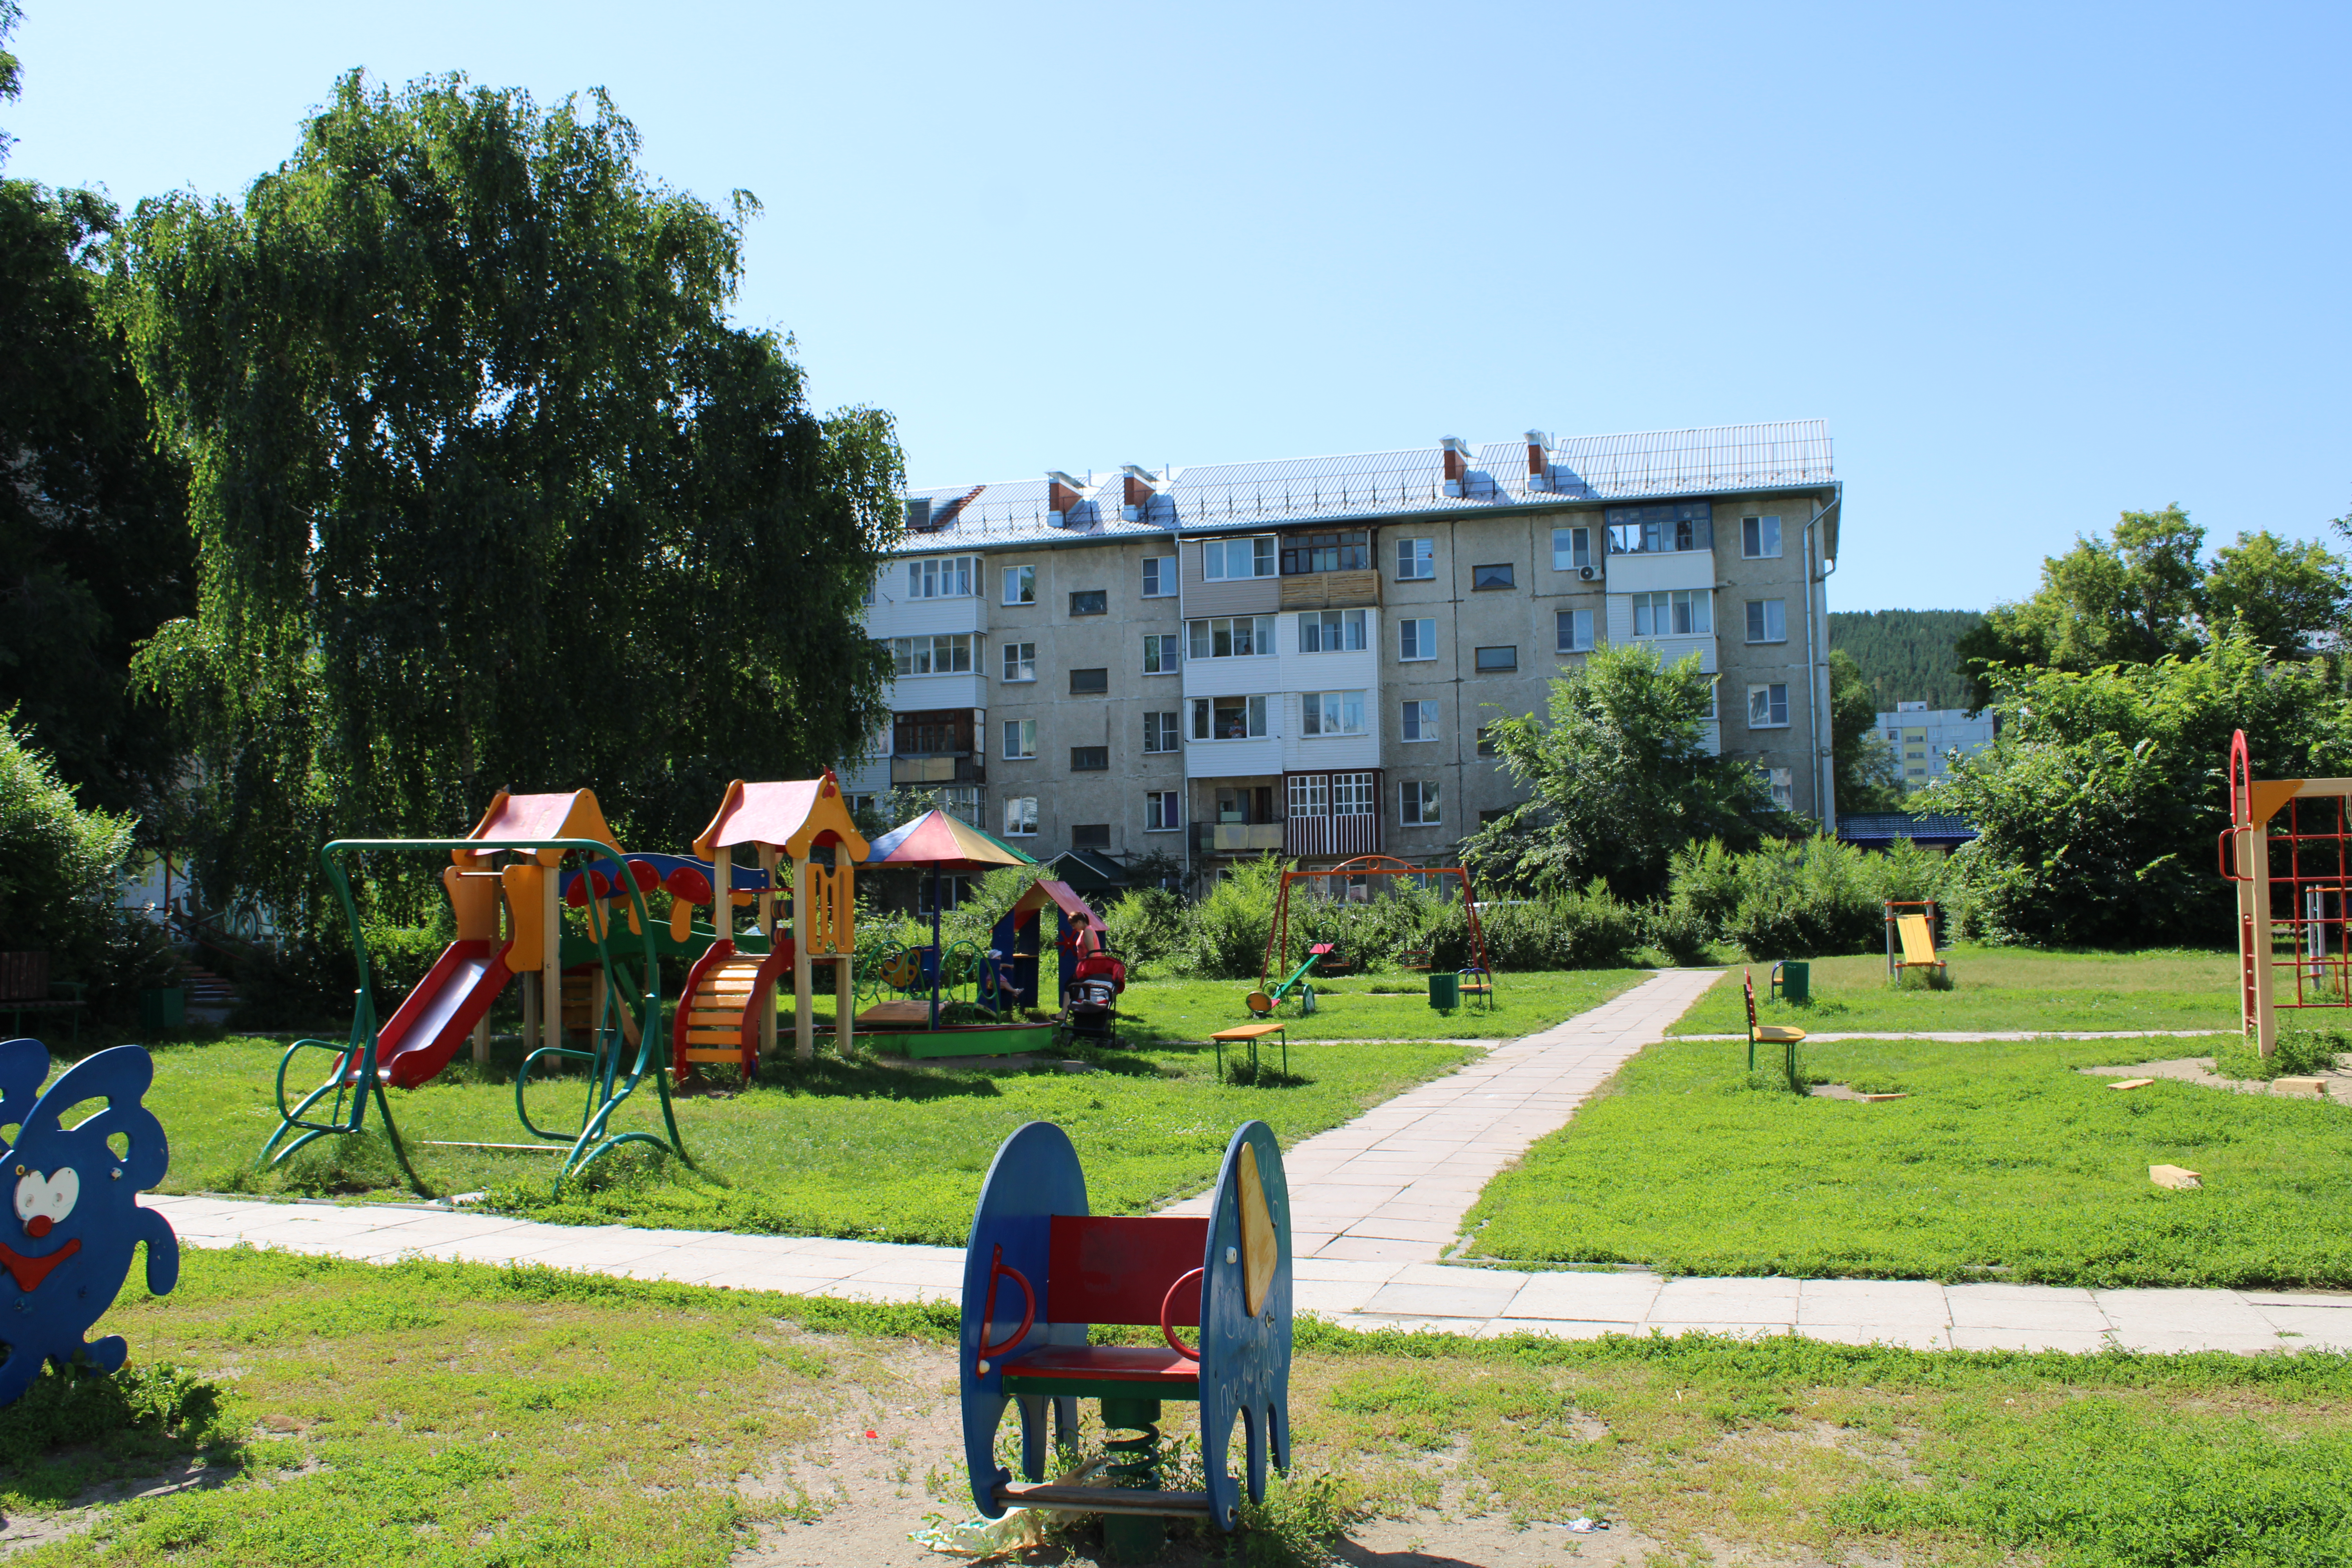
<point>2098,806</point>
<point>489,492</point>
<point>1619,777</point>
<point>94,547</point>
<point>2284,593</point>
<point>1865,777</point>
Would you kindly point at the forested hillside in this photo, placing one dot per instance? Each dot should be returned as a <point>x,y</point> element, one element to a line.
<point>1907,655</point>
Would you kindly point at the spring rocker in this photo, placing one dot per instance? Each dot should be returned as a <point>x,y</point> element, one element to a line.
<point>525,898</point>
<point>728,1013</point>
<point>1039,1270</point>
<point>2294,881</point>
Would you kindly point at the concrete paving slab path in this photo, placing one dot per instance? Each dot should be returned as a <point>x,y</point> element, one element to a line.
<point>1379,1203</point>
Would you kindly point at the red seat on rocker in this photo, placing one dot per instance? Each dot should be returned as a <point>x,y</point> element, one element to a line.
<point>1101,1269</point>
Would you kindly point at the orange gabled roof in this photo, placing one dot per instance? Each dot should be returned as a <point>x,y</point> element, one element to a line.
<point>572,814</point>
<point>789,813</point>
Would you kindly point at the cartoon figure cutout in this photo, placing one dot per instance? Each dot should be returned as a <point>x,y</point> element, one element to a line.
<point>74,1206</point>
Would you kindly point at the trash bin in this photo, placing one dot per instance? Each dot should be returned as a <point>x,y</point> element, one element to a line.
<point>1796,981</point>
<point>1444,991</point>
<point>163,1007</point>
<point>1306,1000</point>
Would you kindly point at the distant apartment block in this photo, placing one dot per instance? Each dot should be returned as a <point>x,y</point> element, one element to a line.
<point>1925,740</point>
<point>1301,656</point>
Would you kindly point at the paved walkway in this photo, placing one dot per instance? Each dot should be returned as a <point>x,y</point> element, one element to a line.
<point>1375,1204</point>
<point>1969,1036</point>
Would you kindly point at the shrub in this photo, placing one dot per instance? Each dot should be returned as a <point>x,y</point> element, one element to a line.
<point>1227,934</point>
<point>61,866</point>
<point>1146,924</point>
<point>1678,932</point>
<point>1586,930</point>
<point>1802,899</point>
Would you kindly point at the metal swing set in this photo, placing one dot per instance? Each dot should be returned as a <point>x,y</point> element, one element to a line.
<point>2294,881</point>
<point>1476,977</point>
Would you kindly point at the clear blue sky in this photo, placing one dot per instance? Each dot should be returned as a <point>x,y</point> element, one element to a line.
<point>2033,264</point>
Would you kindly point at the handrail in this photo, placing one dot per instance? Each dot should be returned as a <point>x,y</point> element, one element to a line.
<point>1167,1305</point>
<point>997,1266</point>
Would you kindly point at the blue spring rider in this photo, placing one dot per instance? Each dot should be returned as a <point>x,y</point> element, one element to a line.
<point>1039,1270</point>
<point>75,1206</point>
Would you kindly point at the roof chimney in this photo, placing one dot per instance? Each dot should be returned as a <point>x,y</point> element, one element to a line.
<point>1458,457</point>
<point>1539,454</point>
<point>1139,486</point>
<point>1062,494</point>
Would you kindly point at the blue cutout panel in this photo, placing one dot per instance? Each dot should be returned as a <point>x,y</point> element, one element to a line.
<point>1036,1176</point>
<point>72,1218</point>
<point>1244,1361</point>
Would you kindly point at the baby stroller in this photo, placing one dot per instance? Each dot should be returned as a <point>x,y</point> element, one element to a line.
<point>1091,1014</point>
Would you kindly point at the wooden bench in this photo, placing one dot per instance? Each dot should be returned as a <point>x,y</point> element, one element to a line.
<point>26,987</point>
<point>1251,1033</point>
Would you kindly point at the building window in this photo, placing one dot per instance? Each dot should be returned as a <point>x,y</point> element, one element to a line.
<point>941,732</point>
<point>1572,548</point>
<point>1497,575</point>
<point>1420,721</point>
<point>1090,602</point>
<point>1224,560</point>
<point>1333,713</point>
<point>1019,817</point>
<point>1644,530</point>
<point>1232,637</point>
<point>1685,611</point>
<point>1767,707</point>
<point>1228,718</point>
<point>1759,538</point>
<point>932,655</point>
<point>872,590</point>
<point>1020,738</point>
<point>1348,551</point>
<point>1162,810</point>
<point>1089,682</point>
<point>1310,794</point>
<point>1486,740</point>
<point>1713,683</point>
<point>1417,638</point>
<point>1159,576</point>
<point>1417,804</point>
<point>1090,836</point>
<point>1782,784</point>
<point>857,803</point>
<point>1331,631</point>
<point>1090,759</point>
<point>942,576</point>
<point>1497,660</point>
<point>1020,661</point>
<point>1767,620</point>
<point>1159,731</point>
<point>1351,795</point>
<point>1020,585</point>
<point>1416,560</point>
<point>1161,653</point>
<point>1575,630</point>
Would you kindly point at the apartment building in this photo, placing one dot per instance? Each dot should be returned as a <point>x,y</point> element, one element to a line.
<point>1301,655</point>
<point>1926,740</point>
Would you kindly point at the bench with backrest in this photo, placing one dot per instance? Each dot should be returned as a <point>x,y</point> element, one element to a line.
<point>1040,1272</point>
<point>26,987</point>
<point>1783,1034</point>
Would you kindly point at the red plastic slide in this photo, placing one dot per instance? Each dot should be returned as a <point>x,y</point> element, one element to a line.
<point>418,1040</point>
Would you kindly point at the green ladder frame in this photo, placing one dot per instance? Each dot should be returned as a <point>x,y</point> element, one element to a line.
<point>355,1078</point>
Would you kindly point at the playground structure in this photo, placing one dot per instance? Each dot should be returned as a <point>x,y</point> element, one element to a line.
<point>509,924</point>
<point>2294,881</point>
<point>1229,1274</point>
<point>728,1013</point>
<point>1911,939</point>
<point>925,1018</point>
<point>1474,979</point>
<point>75,1200</point>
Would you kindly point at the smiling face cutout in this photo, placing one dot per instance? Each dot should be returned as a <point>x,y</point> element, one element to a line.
<point>43,1201</point>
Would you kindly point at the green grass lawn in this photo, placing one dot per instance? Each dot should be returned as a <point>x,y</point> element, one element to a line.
<point>2002,1157</point>
<point>1350,1007</point>
<point>1995,988</point>
<point>456,1414</point>
<point>881,1150</point>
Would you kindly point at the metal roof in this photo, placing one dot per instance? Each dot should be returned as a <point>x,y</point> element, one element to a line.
<point>1725,459</point>
<point>1874,827</point>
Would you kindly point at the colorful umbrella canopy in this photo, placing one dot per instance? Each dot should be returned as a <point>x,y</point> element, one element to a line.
<point>939,842</point>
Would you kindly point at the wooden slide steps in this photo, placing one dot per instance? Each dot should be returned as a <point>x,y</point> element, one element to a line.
<point>715,1013</point>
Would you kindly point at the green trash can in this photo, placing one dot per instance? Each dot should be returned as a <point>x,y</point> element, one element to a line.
<point>1444,991</point>
<point>1794,980</point>
<point>163,1007</point>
